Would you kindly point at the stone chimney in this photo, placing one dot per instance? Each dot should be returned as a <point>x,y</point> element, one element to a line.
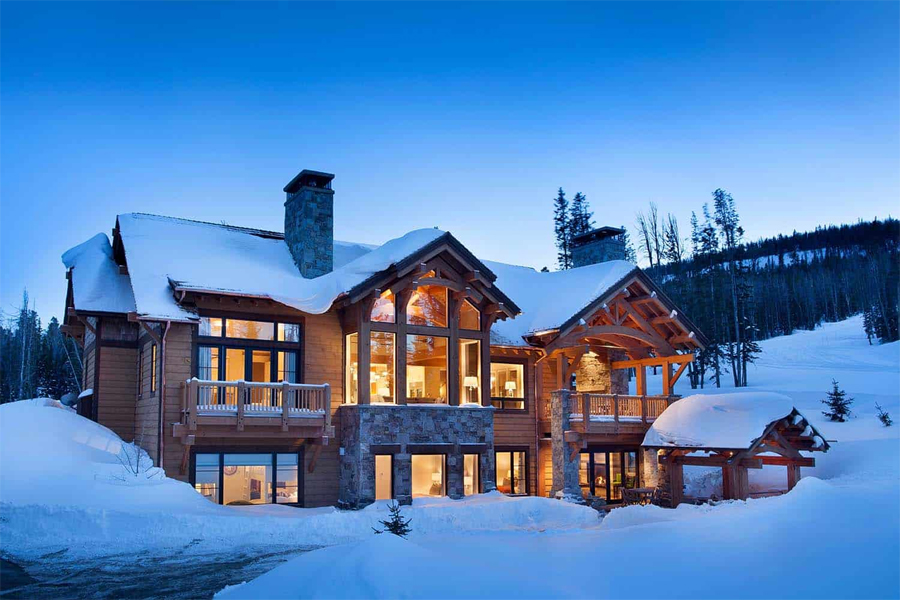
<point>309,222</point>
<point>598,245</point>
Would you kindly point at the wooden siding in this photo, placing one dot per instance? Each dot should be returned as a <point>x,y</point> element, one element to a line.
<point>146,413</point>
<point>116,394</point>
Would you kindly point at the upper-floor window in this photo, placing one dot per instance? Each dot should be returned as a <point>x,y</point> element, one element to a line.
<point>383,309</point>
<point>245,329</point>
<point>427,305</point>
<point>469,316</point>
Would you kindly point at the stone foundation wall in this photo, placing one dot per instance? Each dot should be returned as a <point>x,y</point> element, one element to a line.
<point>367,430</point>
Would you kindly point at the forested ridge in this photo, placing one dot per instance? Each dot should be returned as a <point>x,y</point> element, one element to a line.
<point>740,292</point>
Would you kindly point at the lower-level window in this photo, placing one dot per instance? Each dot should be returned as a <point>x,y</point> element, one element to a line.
<point>511,471</point>
<point>247,478</point>
<point>471,474</point>
<point>384,481</point>
<point>604,474</point>
<point>428,475</point>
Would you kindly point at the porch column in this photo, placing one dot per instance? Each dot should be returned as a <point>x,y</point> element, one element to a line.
<point>455,474</point>
<point>650,471</point>
<point>403,478</point>
<point>565,466</point>
<point>793,476</point>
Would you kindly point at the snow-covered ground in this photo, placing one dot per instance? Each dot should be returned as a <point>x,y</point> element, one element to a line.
<point>66,500</point>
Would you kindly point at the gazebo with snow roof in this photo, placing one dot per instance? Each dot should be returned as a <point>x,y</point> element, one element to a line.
<point>735,432</point>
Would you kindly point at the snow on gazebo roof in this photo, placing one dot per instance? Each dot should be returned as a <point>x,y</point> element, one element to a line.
<point>720,421</point>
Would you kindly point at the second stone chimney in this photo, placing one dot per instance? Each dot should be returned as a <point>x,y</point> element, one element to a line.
<point>309,222</point>
<point>598,245</point>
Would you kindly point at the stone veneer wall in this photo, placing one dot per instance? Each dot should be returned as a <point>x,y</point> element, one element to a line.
<point>598,251</point>
<point>595,375</point>
<point>309,230</point>
<point>398,430</point>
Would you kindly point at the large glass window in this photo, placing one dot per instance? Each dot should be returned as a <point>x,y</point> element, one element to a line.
<point>471,474</point>
<point>247,479</point>
<point>428,475</point>
<point>469,317</point>
<point>511,472</point>
<point>508,385</point>
<point>206,480</point>
<point>383,309</point>
<point>351,369</point>
<point>384,484</point>
<point>381,367</point>
<point>469,372</point>
<point>211,326</point>
<point>611,472</point>
<point>287,479</point>
<point>287,367</point>
<point>426,369</point>
<point>428,305</point>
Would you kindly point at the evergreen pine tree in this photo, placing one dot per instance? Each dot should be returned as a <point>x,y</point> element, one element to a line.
<point>396,524</point>
<point>563,230</point>
<point>838,404</point>
<point>869,323</point>
<point>884,417</point>
<point>630,254</point>
<point>580,215</point>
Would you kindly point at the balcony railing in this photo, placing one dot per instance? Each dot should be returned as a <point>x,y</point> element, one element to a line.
<point>613,408</point>
<point>244,403</point>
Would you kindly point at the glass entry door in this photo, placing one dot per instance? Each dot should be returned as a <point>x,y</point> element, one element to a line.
<point>609,473</point>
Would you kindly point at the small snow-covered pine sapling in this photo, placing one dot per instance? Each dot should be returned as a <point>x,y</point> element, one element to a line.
<point>838,404</point>
<point>883,416</point>
<point>396,524</point>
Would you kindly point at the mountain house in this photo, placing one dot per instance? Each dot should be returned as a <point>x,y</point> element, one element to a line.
<point>269,367</point>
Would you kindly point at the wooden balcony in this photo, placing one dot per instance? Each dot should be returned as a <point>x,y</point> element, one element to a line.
<point>611,414</point>
<point>243,409</point>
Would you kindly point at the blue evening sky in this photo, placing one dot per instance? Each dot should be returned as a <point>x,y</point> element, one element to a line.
<point>462,116</point>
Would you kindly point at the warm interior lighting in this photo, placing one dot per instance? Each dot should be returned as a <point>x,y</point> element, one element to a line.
<point>383,308</point>
<point>426,370</point>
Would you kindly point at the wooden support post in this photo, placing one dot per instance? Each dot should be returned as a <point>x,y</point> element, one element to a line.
<point>667,379</point>
<point>644,410</point>
<point>402,299</point>
<point>793,476</point>
<point>616,411</point>
<point>193,396</point>
<point>676,482</point>
<point>640,374</point>
<point>453,391</point>
<point>327,402</point>
<point>364,352</point>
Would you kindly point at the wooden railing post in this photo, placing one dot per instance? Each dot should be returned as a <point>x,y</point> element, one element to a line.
<point>616,411</point>
<point>327,407</point>
<point>586,411</point>
<point>644,410</point>
<point>241,392</point>
<point>285,390</point>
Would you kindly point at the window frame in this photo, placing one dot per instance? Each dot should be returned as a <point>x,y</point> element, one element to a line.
<point>443,456</point>
<point>154,364</point>
<point>222,451</point>
<point>249,345</point>
<point>526,381</point>
<point>511,450</point>
<point>609,450</point>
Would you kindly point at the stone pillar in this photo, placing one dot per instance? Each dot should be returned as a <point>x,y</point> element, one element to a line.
<point>487,471</point>
<point>649,468</point>
<point>565,469</point>
<point>403,478</point>
<point>348,496</point>
<point>455,475</point>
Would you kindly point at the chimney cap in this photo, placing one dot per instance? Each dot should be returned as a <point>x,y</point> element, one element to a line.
<point>308,178</point>
<point>597,234</point>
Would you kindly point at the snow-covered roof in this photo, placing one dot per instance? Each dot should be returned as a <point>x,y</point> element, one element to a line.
<point>548,300</point>
<point>163,252</point>
<point>193,255</point>
<point>97,285</point>
<point>721,421</point>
